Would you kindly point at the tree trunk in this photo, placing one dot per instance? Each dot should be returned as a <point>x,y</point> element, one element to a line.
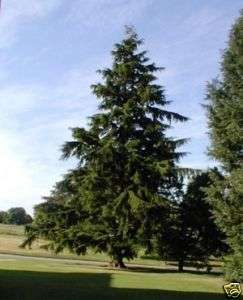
<point>180,265</point>
<point>208,268</point>
<point>120,264</point>
<point>117,263</point>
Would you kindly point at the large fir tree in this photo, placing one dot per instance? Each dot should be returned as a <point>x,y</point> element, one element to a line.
<point>225,119</point>
<point>127,174</point>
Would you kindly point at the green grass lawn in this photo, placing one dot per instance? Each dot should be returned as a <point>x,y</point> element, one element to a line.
<point>25,278</point>
<point>34,279</point>
<point>12,236</point>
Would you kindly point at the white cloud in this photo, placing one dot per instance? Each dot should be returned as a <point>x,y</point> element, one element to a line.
<point>74,86</point>
<point>201,23</point>
<point>17,186</point>
<point>104,13</point>
<point>29,168</point>
<point>34,124</point>
<point>71,92</point>
<point>17,99</point>
<point>14,13</point>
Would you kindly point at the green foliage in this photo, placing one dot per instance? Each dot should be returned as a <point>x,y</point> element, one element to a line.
<point>3,217</point>
<point>225,111</point>
<point>234,267</point>
<point>225,107</point>
<point>127,173</point>
<point>192,235</point>
<point>15,215</point>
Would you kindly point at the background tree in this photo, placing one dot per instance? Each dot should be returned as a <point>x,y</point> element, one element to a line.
<point>17,216</point>
<point>3,217</point>
<point>192,236</point>
<point>127,172</point>
<point>225,120</point>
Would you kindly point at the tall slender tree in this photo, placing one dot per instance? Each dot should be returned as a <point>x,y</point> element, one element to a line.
<point>225,120</point>
<point>127,172</point>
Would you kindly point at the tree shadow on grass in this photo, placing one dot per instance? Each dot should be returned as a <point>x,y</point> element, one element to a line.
<point>192,264</point>
<point>28,285</point>
<point>169,270</point>
<point>214,263</point>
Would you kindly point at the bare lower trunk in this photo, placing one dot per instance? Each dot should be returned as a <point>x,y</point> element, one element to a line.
<point>181,265</point>
<point>117,263</point>
<point>208,268</point>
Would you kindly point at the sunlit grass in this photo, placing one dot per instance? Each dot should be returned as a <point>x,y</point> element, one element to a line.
<point>51,279</point>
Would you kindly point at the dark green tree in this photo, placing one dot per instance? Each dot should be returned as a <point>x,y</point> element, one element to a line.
<point>192,235</point>
<point>3,217</point>
<point>17,216</point>
<point>225,120</point>
<point>127,173</point>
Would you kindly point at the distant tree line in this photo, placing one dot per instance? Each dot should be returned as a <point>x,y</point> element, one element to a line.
<point>128,191</point>
<point>16,216</point>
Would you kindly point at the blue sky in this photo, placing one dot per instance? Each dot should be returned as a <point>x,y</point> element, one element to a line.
<point>49,52</point>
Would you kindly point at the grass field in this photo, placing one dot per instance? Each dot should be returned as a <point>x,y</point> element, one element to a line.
<point>34,279</point>
<point>25,278</point>
<point>12,236</point>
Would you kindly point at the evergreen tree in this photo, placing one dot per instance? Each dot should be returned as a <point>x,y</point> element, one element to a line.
<point>225,120</point>
<point>127,173</point>
<point>192,235</point>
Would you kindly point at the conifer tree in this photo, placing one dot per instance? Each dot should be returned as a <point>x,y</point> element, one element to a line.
<point>225,120</point>
<point>191,235</point>
<point>127,173</point>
